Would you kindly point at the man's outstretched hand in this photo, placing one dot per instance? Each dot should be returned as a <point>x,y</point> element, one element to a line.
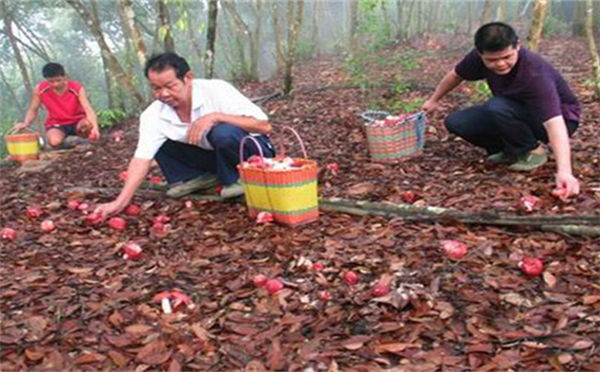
<point>94,134</point>
<point>20,126</point>
<point>109,209</point>
<point>430,106</point>
<point>566,186</point>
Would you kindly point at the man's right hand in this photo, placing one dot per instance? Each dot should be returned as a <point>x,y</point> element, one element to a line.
<point>109,209</point>
<point>430,106</point>
<point>20,125</point>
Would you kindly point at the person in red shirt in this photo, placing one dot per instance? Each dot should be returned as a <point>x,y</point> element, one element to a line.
<point>69,110</point>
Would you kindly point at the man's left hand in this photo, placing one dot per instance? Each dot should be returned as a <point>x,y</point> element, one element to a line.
<point>199,128</point>
<point>566,185</point>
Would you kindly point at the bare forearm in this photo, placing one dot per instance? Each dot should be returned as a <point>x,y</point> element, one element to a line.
<point>30,116</point>
<point>247,123</point>
<point>138,168</point>
<point>559,142</point>
<point>450,81</point>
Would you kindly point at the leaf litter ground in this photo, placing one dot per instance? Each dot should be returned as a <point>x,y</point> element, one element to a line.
<point>69,300</point>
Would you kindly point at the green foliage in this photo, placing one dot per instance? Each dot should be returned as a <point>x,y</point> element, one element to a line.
<point>4,127</point>
<point>356,69</point>
<point>107,118</point>
<point>408,62</point>
<point>412,106</point>
<point>373,23</point>
<point>401,87</point>
<point>304,50</point>
<point>481,91</point>
<point>554,27</point>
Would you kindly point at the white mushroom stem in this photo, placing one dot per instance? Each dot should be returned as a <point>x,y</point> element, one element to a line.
<point>166,306</point>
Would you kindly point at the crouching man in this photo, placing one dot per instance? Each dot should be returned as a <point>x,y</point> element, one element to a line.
<point>532,104</point>
<point>193,130</point>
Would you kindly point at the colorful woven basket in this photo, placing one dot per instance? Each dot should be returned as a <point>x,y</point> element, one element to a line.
<point>391,143</point>
<point>22,146</point>
<point>289,195</point>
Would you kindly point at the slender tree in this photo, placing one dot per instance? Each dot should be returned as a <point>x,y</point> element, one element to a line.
<point>165,26</point>
<point>589,33</point>
<point>130,28</point>
<point>11,91</point>
<point>211,35</point>
<point>8,31</point>
<point>116,70</point>
<point>353,33</point>
<point>252,35</point>
<point>294,19</point>
<point>486,14</point>
<point>537,24</point>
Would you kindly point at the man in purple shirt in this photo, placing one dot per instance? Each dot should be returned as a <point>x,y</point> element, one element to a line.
<point>532,103</point>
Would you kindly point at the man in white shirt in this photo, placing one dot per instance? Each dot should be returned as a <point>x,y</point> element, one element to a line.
<point>193,130</point>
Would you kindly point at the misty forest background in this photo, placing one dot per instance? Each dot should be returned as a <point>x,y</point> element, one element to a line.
<point>103,44</point>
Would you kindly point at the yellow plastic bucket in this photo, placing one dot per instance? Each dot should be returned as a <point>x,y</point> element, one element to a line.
<point>22,146</point>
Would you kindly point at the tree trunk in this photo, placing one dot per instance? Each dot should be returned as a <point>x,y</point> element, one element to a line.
<point>537,24</point>
<point>315,28</point>
<point>7,18</point>
<point>277,32</point>
<point>255,40</point>
<point>409,19</point>
<point>353,34</point>
<point>165,26</point>
<point>589,33</point>
<point>11,91</point>
<point>399,20</point>
<point>126,80</point>
<point>130,29</point>
<point>293,33</point>
<point>578,21</point>
<point>486,14</point>
<point>211,35</point>
<point>501,14</point>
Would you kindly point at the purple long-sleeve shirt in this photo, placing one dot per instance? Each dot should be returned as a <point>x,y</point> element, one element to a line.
<point>532,81</point>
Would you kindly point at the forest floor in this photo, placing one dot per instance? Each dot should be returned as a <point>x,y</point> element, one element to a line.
<point>69,299</point>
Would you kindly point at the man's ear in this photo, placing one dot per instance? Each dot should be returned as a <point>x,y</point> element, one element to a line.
<point>188,76</point>
<point>518,45</point>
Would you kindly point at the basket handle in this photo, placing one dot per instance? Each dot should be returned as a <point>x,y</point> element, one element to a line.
<point>14,130</point>
<point>299,141</point>
<point>419,119</point>
<point>249,137</point>
<point>371,115</point>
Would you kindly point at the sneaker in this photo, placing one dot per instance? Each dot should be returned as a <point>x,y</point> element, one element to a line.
<point>529,162</point>
<point>231,191</point>
<point>202,182</point>
<point>498,158</point>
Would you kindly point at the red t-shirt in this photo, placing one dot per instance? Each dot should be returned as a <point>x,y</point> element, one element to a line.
<point>63,109</point>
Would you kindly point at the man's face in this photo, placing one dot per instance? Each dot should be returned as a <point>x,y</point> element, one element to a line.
<point>57,83</point>
<point>502,61</point>
<point>167,88</point>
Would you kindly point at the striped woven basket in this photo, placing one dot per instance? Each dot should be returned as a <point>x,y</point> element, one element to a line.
<point>22,146</point>
<point>289,195</point>
<point>390,144</point>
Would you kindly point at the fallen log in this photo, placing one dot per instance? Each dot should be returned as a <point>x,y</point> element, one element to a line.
<point>582,225</point>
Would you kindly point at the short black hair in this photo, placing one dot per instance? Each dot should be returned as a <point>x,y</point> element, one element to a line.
<point>163,61</point>
<point>495,36</point>
<point>53,69</point>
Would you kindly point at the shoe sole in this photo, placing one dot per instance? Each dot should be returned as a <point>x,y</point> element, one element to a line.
<point>186,191</point>
<point>526,169</point>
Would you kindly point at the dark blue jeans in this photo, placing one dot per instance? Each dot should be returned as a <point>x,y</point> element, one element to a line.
<point>501,124</point>
<point>182,162</point>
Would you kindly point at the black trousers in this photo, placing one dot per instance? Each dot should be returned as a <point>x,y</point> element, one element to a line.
<point>181,162</point>
<point>501,124</point>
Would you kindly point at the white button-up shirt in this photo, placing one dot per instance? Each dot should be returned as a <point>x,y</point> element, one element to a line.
<point>160,122</point>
